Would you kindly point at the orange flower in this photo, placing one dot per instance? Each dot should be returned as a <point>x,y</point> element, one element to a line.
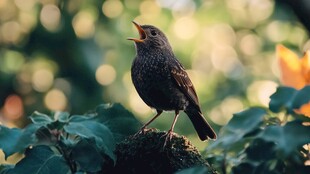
<point>295,72</point>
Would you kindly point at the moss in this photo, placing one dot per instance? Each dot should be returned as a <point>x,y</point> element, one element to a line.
<point>144,153</point>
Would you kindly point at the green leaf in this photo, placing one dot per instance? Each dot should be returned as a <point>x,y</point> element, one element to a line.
<point>246,121</point>
<point>282,99</point>
<point>267,167</point>
<point>87,155</point>
<point>302,117</point>
<point>14,140</point>
<point>62,117</point>
<point>78,118</point>
<point>195,170</point>
<point>92,129</point>
<point>121,122</point>
<point>242,125</point>
<point>287,98</point>
<point>260,150</point>
<point>301,98</point>
<point>41,160</point>
<point>288,138</point>
<point>39,118</point>
<point>8,136</point>
<point>4,168</point>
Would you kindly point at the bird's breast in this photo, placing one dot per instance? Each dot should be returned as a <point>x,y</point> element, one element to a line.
<point>150,68</point>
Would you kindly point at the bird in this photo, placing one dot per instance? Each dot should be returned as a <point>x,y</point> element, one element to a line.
<point>162,82</point>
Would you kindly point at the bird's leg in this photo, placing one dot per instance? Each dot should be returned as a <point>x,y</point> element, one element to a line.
<point>170,131</point>
<point>149,122</point>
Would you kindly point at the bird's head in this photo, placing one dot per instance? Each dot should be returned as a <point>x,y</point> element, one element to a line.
<point>150,37</point>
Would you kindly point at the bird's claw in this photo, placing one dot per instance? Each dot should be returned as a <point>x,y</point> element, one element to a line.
<point>141,131</point>
<point>168,136</point>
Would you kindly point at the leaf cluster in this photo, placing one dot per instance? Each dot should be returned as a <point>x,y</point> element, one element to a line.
<point>63,143</point>
<point>258,140</point>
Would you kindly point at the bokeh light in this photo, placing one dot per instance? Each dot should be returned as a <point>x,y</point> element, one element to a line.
<point>83,24</point>
<point>222,34</point>
<point>181,7</point>
<point>224,112</point>
<point>42,80</point>
<point>186,28</point>
<point>13,107</point>
<point>63,85</point>
<point>11,62</point>
<point>260,10</point>
<point>278,31</point>
<point>225,59</point>
<point>250,44</point>
<point>105,74</point>
<point>50,17</point>
<point>25,5</point>
<point>55,100</point>
<point>112,8</point>
<point>259,92</point>
<point>11,32</point>
<point>150,9</point>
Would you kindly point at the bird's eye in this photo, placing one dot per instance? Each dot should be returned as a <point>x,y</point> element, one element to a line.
<point>153,33</point>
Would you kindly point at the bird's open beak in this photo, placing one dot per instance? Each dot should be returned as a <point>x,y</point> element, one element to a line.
<point>141,33</point>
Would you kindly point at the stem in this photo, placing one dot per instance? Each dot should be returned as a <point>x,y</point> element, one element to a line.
<point>64,153</point>
<point>223,165</point>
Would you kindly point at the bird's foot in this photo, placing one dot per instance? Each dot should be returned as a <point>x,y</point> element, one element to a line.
<point>141,131</point>
<point>168,136</point>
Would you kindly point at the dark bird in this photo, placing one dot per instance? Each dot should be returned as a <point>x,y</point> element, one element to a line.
<point>162,82</point>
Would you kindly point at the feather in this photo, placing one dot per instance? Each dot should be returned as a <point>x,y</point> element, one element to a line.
<point>185,84</point>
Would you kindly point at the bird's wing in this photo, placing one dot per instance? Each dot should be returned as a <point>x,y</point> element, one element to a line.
<point>183,81</point>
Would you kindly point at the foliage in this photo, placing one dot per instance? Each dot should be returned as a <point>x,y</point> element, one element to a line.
<point>256,140</point>
<point>66,144</point>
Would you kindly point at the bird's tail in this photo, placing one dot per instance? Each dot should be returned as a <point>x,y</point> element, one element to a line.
<point>203,129</point>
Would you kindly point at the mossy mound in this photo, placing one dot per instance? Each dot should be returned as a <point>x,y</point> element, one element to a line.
<point>145,153</point>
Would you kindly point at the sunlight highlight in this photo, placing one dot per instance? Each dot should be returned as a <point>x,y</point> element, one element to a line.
<point>186,28</point>
<point>42,80</point>
<point>83,24</point>
<point>55,100</point>
<point>13,107</point>
<point>11,32</point>
<point>224,112</point>
<point>250,44</point>
<point>105,74</point>
<point>149,9</point>
<point>50,17</point>
<point>112,8</point>
<point>259,92</point>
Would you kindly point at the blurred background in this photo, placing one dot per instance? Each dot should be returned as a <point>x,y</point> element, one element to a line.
<point>72,55</point>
